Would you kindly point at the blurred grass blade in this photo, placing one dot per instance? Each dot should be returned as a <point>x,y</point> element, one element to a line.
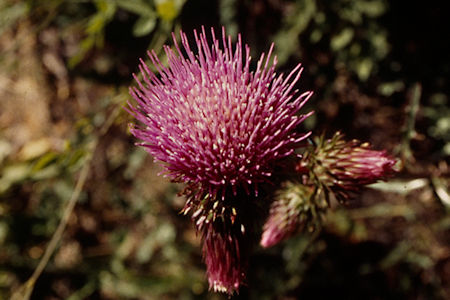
<point>143,26</point>
<point>415,95</point>
<point>402,187</point>
<point>441,190</point>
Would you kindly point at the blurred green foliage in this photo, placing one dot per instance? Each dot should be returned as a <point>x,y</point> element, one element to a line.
<point>10,12</point>
<point>125,238</point>
<point>438,112</point>
<point>348,30</point>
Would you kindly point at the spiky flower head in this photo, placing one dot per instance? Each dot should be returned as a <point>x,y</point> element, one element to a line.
<point>296,207</point>
<point>330,166</point>
<point>345,166</point>
<point>211,120</point>
<point>220,128</point>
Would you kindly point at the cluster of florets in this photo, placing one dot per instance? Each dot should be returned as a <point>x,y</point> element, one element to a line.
<point>224,130</point>
<point>211,120</point>
<point>330,168</point>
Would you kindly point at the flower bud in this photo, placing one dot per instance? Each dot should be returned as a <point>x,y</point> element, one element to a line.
<point>344,166</point>
<point>296,207</point>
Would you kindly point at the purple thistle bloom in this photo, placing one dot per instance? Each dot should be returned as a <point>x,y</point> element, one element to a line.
<point>296,207</point>
<point>346,166</point>
<point>332,166</point>
<point>211,120</point>
<point>220,128</point>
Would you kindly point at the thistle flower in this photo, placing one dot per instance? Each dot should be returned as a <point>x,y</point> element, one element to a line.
<point>296,207</point>
<point>212,121</point>
<point>330,166</point>
<point>220,128</point>
<point>344,167</point>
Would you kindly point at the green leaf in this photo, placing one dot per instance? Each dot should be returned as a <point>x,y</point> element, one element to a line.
<point>389,88</point>
<point>364,68</point>
<point>168,9</point>
<point>13,174</point>
<point>143,26</point>
<point>34,149</point>
<point>138,7</point>
<point>95,24</point>
<point>106,8</point>
<point>342,39</point>
<point>372,9</point>
<point>46,173</point>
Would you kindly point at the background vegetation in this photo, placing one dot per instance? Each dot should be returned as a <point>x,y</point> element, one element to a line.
<point>380,72</point>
